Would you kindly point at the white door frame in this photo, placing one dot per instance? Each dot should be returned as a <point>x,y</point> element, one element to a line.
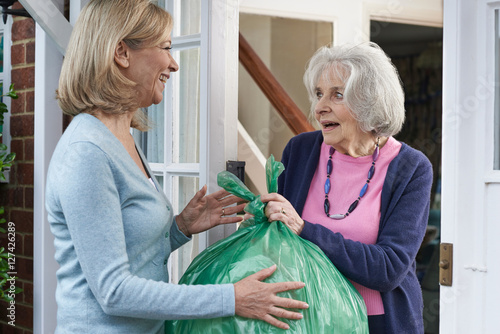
<point>470,186</point>
<point>220,55</point>
<point>351,19</point>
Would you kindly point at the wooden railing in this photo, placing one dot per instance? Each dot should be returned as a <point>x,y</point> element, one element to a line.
<point>288,110</point>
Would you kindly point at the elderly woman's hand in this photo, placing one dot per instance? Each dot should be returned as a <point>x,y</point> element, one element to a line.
<point>257,300</point>
<point>278,208</point>
<point>204,212</point>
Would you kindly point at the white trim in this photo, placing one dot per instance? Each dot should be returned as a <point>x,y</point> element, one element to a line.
<point>492,177</point>
<point>176,169</point>
<point>255,166</point>
<point>53,22</point>
<point>394,12</point>
<point>486,90</point>
<point>186,42</point>
<point>287,14</point>
<point>449,178</point>
<point>75,8</point>
<point>48,129</point>
<point>204,56</point>
<point>221,57</point>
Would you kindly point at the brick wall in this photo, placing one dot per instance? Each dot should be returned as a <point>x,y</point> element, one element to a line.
<point>17,195</point>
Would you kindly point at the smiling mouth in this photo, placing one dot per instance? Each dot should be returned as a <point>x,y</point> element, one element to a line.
<point>163,78</point>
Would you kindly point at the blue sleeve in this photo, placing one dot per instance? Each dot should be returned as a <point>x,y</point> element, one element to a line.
<point>384,265</point>
<point>91,205</point>
<point>177,238</point>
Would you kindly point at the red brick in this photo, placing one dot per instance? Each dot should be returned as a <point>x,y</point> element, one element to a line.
<point>28,198</point>
<point>8,329</point>
<point>6,198</point>
<point>28,293</point>
<point>17,5</point>
<point>17,146</point>
<point>22,125</point>
<point>24,173</point>
<point>19,246</point>
<point>23,78</point>
<point>18,197</point>
<point>3,238</point>
<point>24,268</point>
<point>23,29</point>
<point>24,316</point>
<point>23,221</point>
<point>18,106</point>
<point>18,54</point>
<point>30,101</point>
<point>30,53</point>
<point>28,245</point>
<point>29,149</point>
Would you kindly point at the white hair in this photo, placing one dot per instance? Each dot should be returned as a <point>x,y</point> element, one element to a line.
<point>373,90</point>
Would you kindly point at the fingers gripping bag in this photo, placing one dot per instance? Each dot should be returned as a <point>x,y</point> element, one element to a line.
<point>335,306</point>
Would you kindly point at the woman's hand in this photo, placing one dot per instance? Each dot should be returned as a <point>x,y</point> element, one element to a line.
<point>204,212</point>
<point>278,208</point>
<point>258,300</point>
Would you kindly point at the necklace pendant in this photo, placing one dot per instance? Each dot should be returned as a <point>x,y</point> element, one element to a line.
<point>337,216</point>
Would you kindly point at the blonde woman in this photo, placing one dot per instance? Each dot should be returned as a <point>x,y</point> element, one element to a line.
<point>114,228</point>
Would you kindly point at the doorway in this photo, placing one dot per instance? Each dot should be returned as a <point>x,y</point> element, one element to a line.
<point>417,53</point>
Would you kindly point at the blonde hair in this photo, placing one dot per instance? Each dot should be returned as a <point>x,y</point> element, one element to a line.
<point>90,79</point>
<point>373,90</point>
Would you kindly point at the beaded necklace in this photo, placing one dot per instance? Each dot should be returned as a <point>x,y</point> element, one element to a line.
<point>329,169</point>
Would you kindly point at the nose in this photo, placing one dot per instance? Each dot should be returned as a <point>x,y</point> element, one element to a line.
<point>322,106</point>
<point>173,66</point>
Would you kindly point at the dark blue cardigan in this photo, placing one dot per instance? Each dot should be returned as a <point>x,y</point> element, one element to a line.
<point>389,265</point>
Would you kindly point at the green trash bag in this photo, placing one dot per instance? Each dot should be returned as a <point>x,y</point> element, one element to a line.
<point>335,306</point>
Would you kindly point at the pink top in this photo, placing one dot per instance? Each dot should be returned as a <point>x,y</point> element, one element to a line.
<point>348,177</point>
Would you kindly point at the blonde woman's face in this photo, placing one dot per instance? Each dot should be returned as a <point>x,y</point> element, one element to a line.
<point>150,68</point>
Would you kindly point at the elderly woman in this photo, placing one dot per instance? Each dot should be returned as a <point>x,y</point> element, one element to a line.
<point>114,228</point>
<point>354,190</point>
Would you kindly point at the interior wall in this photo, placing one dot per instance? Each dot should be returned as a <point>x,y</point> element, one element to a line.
<point>293,44</point>
<point>253,107</point>
<point>285,45</point>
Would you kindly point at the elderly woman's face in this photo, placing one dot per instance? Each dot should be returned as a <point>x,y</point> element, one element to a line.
<point>150,68</point>
<point>339,127</point>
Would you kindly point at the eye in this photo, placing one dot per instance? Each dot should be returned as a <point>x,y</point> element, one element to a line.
<point>319,94</point>
<point>338,95</point>
<point>168,48</point>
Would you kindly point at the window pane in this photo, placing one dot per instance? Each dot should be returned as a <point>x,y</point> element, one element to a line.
<point>159,178</point>
<point>1,53</point>
<point>190,20</point>
<point>187,188</point>
<point>497,94</point>
<point>188,129</point>
<point>151,141</point>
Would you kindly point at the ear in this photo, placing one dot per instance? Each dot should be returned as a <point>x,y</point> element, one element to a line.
<point>122,54</point>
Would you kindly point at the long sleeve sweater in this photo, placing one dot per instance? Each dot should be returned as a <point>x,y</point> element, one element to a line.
<point>113,235</point>
<point>388,265</point>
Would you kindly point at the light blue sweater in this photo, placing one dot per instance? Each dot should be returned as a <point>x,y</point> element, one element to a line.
<point>113,235</point>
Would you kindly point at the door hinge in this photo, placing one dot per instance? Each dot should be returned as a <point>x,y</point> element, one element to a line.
<point>446,264</point>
